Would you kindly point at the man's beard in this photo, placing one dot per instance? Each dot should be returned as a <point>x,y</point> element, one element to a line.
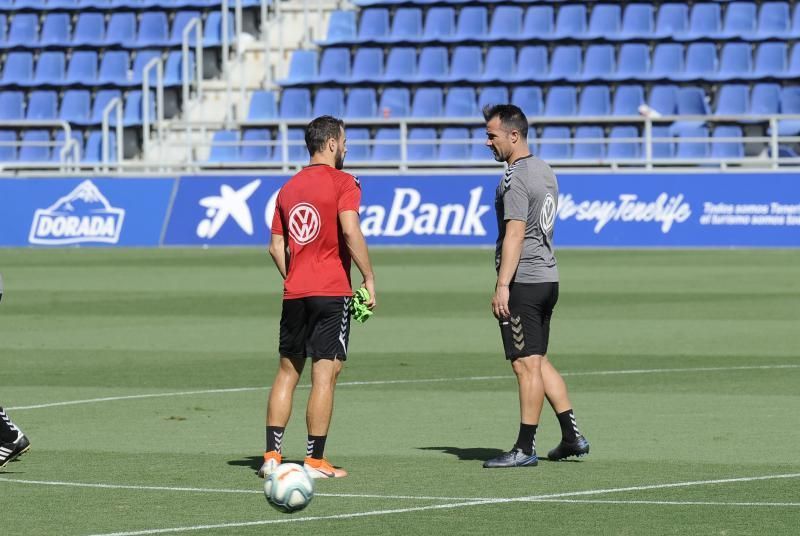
<point>498,156</point>
<point>339,159</point>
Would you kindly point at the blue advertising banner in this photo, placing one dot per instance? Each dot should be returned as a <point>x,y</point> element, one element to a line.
<point>90,212</point>
<point>593,210</point>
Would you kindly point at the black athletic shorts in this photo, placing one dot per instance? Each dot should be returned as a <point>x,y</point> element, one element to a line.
<point>317,327</point>
<point>527,331</point>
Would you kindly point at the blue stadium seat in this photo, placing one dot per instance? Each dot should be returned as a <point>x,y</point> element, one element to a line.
<point>374,25</point>
<point>733,99</point>
<point>790,104</point>
<point>133,111</point>
<point>691,149</point>
<point>55,30</point>
<point>793,69</point>
<point>367,65</point>
<point>727,149</point>
<point>539,23</point>
<point>121,28</point>
<point>661,149</point>
<point>570,21</point>
<point>466,64</point>
<point>672,19</point>
<point>565,63</point>
<point>12,105</point>
<point>93,152</point>
<point>212,29</point>
<point>633,63</point>
<point>401,65</point>
<point>3,33</point>
<point>153,30</point>
<point>477,148</point>
<point>637,22</point>
<point>114,68</point>
<point>528,99</point>
<point>329,101</point>
<point>598,64</point>
<point>427,102</point>
<point>255,145</point>
<point>8,152</point>
<point>224,146</point>
<point>440,22</point>
<point>302,68</point>
<point>18,69</point>
<point>561,101</point>
<point>59,145</point>
<point>296,146</point>
<point>179,23</point>
<point>765,99</point>
<point>774,20</point>
<point>426,144</point>
<point>334,65</point>
<point>173,68</point>
<point>595,101</point>
<point>75,106</point>
<point>295,103</point>
<point>736,62</point>
<point>388,146</point>
<point>627,99</point>
<point>605,21</point>
<point>101,100</point>
<point>740,21</point>
<point>341,27</point>
<point>82,68</point>
<point>491,95</point>
<point>506,23</point>
<point>361,102</point>
<point>770,61</point>
<point>42,104</point>
<point>143,57</point>
<point>23,30</point>
<point>433,64</point>
<point>532,65</point>
<point>459,149</point>
<point>358,148</point>
<point>667,62</point>
<point>701,63</point>
<point>472,24</point>
<point>50,68</point>
<point>501,61</point>
<point>704,22</point>
<point>589,150</point>
<point>395,102</point>
<point>35,153</point>
<point>556,149</point>
<point>623,150</point>
<point>460,102</point>
<point>263,106</point>
<point>664,99</point>
<point>90,29</point>
<point>692,101</point>
<point>406,25</point>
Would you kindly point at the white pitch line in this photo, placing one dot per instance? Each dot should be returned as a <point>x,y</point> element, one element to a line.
<point>399,382</point>
<point>532,498</point>
<point>670,503</point>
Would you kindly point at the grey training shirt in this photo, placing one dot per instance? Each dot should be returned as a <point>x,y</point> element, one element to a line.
<point>529,192</point>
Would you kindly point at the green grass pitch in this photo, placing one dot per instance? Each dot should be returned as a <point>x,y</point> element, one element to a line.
<point>683,366</point>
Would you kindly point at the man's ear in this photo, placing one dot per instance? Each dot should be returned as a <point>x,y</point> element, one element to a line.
<point>332,145</point>
<point>514,136</point>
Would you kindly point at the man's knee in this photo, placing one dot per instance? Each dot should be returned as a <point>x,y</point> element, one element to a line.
<point>527,366</point>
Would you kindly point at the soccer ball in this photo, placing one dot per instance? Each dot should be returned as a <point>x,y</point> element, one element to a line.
<point>289,488</point>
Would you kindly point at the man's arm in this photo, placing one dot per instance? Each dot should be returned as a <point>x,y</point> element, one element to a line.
<point>279,254</point>
<point>357,245</point>
<point>509,261</point>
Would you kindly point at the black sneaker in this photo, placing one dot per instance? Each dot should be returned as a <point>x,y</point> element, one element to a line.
<point>10,451</point>
<point>564,449</point>
<point>514,458</point>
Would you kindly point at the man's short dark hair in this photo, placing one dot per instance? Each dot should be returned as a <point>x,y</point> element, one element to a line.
<point>320,130</point>
<point>511,117</point>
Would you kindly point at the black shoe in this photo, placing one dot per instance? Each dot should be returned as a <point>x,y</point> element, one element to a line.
<point>514,458</point>
<point>564,449</point>
<point>10,451</point>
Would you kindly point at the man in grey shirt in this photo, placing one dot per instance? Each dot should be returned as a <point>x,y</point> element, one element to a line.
<point>527,285</point>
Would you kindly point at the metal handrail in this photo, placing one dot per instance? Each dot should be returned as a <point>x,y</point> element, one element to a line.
<point>71,146</point>
<point>195,24</point>
<point>158,64</point>
<point>113,104</point>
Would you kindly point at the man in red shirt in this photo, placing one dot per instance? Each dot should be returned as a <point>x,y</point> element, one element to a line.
<point>316,231</point>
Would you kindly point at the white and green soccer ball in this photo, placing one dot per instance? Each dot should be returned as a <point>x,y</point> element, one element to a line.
<point>289,488</point>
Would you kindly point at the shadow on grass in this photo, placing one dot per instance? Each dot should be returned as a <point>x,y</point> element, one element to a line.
<point>468,454</point>
<point>254,462</point>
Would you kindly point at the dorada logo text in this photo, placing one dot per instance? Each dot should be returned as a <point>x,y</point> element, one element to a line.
<point>666,210</point>
<point>82,216</point>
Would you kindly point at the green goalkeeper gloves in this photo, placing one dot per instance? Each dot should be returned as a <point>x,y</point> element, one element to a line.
<point>361,312</point>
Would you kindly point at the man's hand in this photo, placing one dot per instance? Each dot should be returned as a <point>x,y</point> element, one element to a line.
<point>370,286</point>
<point>500,302</point>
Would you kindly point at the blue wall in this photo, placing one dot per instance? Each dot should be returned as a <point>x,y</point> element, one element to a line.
<point>594,210</point>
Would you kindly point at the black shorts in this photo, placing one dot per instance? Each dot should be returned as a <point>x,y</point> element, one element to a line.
<point>527,331</point>
<point>317,327</point>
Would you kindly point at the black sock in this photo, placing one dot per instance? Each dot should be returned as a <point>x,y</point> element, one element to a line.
<point>8,432</point>
<point>315,446</point>
<point>569,428</point>
<point>526,440</point>
<point>275,438</point>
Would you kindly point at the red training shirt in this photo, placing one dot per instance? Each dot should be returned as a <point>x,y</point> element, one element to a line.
<point>307,215</point>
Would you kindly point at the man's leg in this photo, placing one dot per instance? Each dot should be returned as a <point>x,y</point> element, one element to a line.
<point>324,373</point>
<point>572,441</point>
<point>279,409</point>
